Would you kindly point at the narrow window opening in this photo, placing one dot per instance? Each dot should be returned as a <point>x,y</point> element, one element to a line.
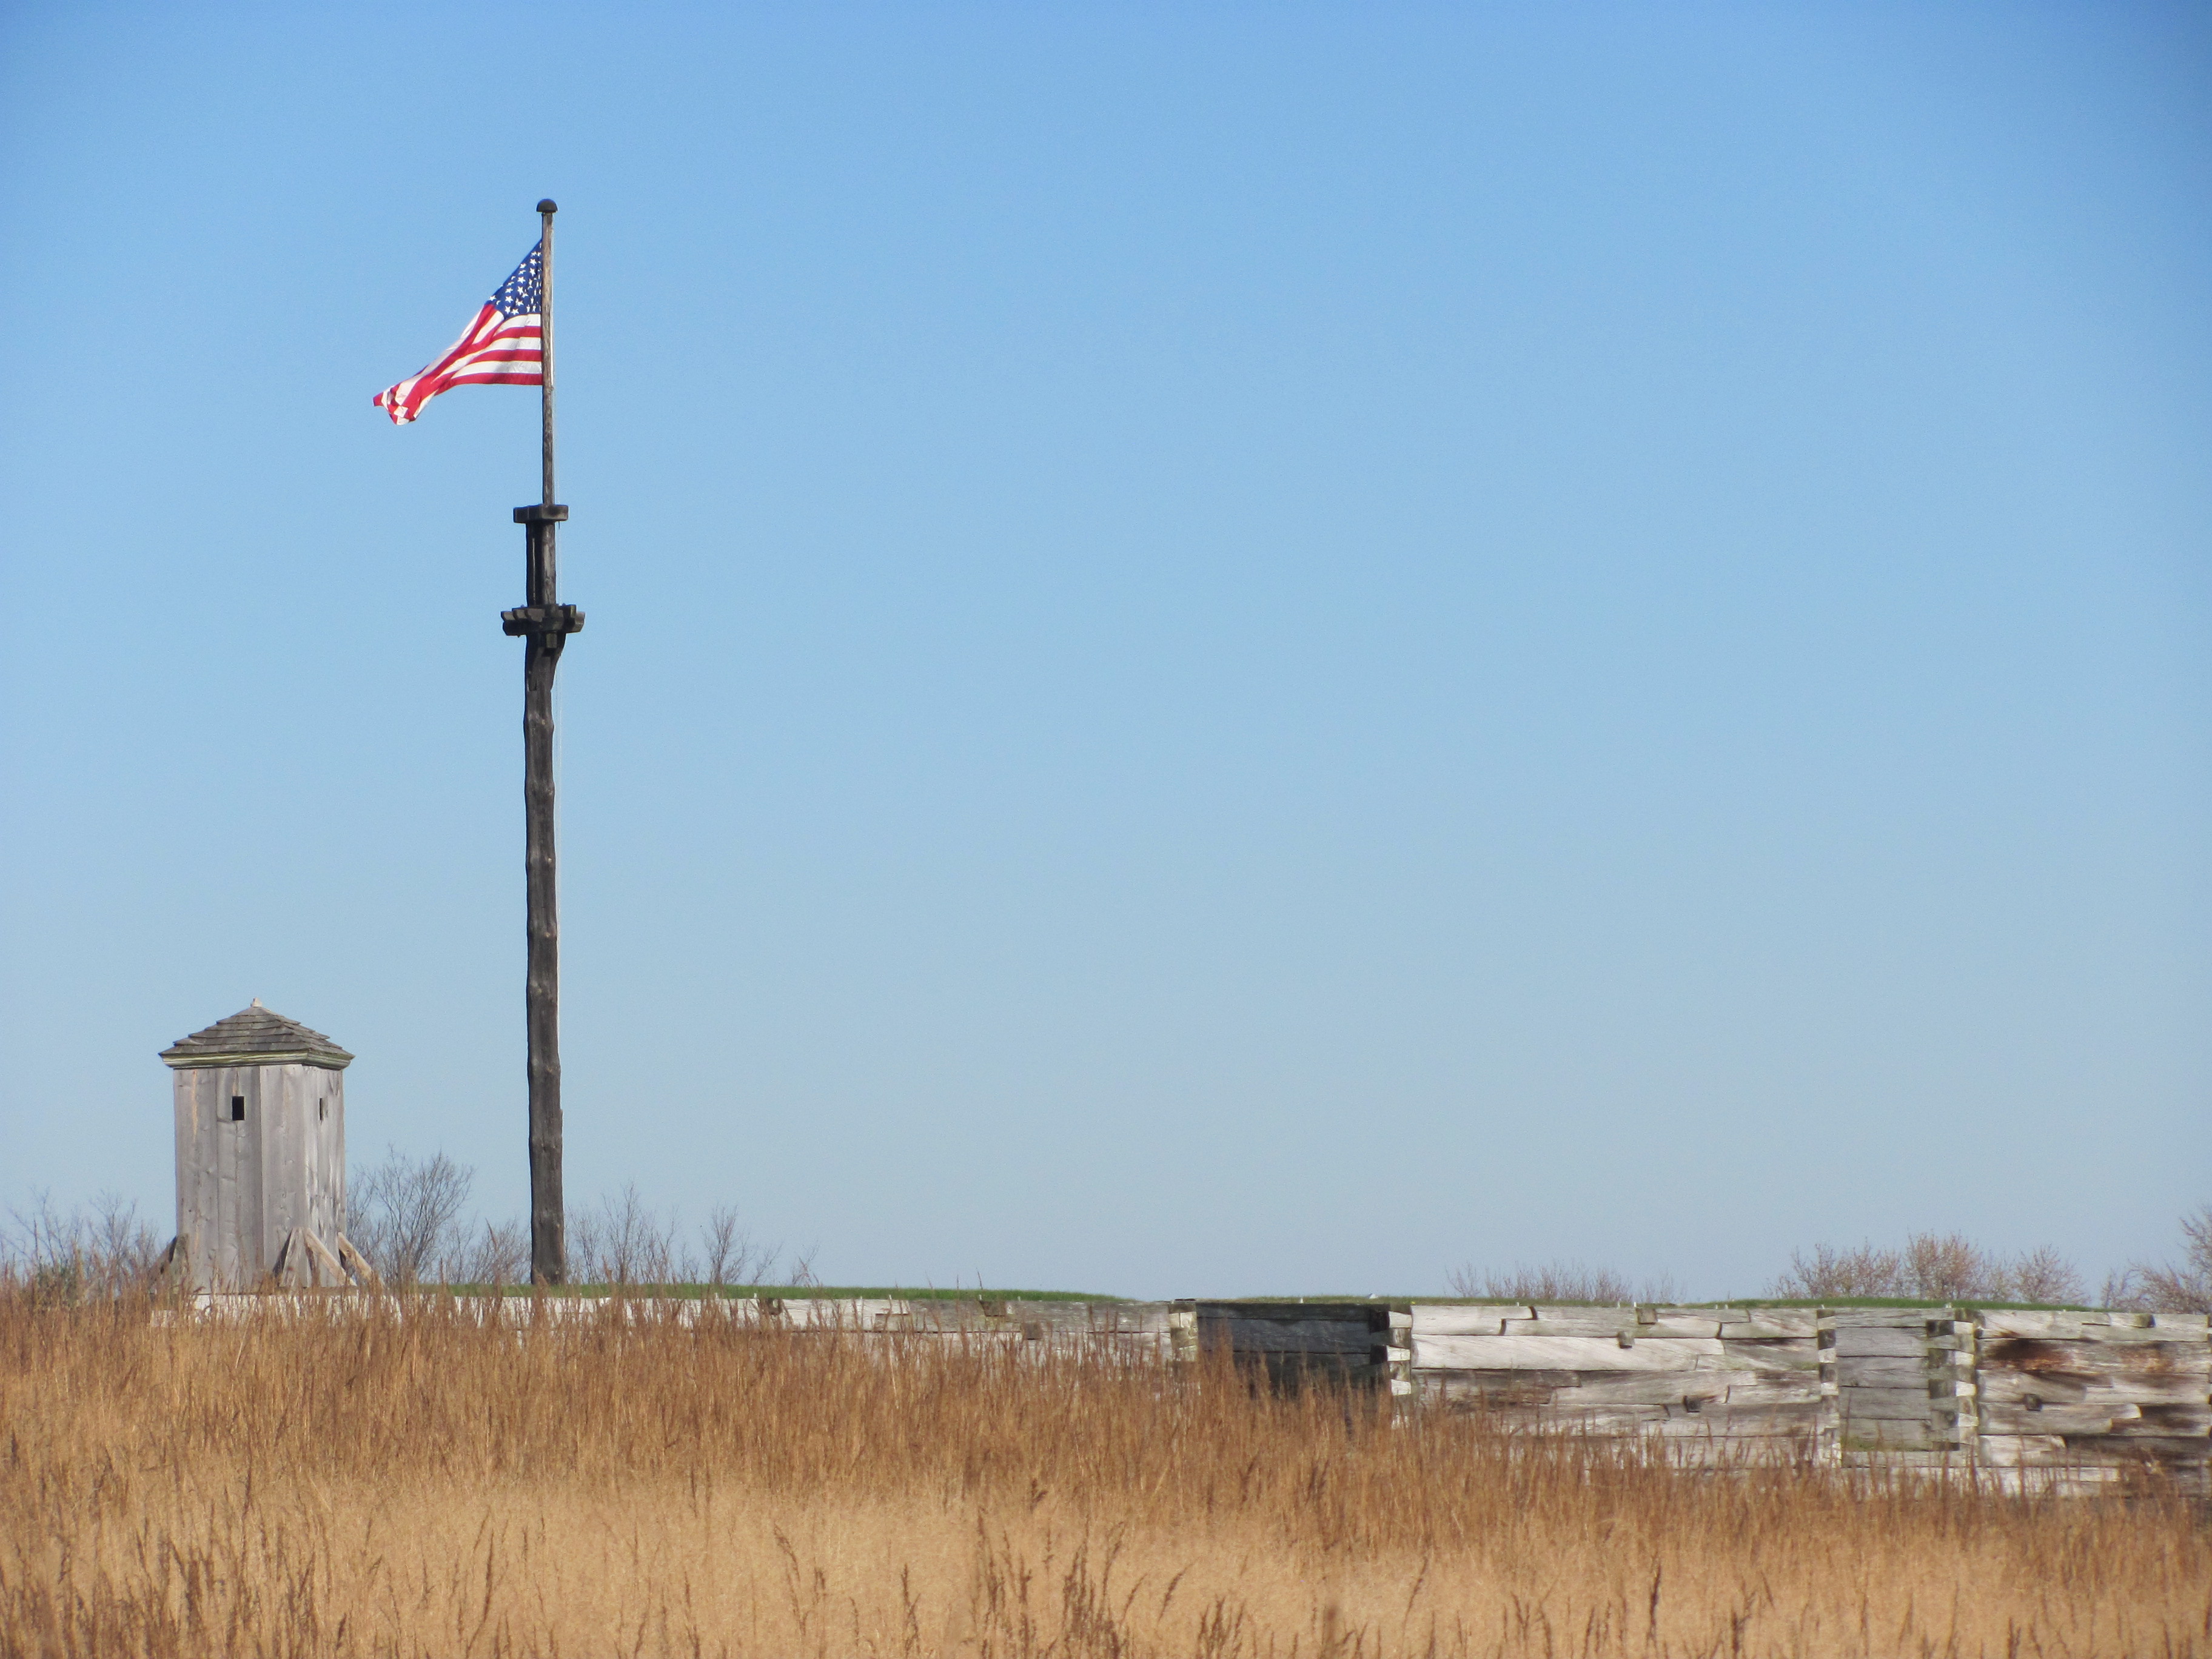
<point>238,1109</point>
<point>322,1110</point>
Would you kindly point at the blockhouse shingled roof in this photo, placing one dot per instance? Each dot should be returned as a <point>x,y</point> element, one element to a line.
<point>257,1036</point>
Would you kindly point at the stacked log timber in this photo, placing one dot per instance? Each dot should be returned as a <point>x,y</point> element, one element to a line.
<point>1703,1378</point>
<point>1902,1381</point>
<point>2080,1401</point>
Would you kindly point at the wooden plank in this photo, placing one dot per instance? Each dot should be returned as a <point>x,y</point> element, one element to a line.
<point>1365,1315</point>
<point>1599,1420</point>
<point>1770,1323</point>
<point>1774,1391</point>
<point>341,1199</point>
<point>2174,1451</point>
<point>1287,1336</point>
<point>1663,1329</point>
<point>1999,1417</point>
<point>242,1245</point>
<point>223,1241</point>
<point>1570,1354</point>
<point>2145,1358</point>
<point>214,1218</point>
<point>314,1203</point>
<point>1607,1419</point>
<point>1641,1388</point>
<point>2004,1321</point>
<point>277,1132</point>
<point>289,1269</point>
<point>2171,1421</point>
<point>1150,1318</point>
<point>1730,1422</point>
<point>2099,1414</point>
<point>1916,1319</point>
<point>357,1264</point>
<point>332,1270</point>
<point>1449,1319</point>
<point>2078,1324</point>
<point>1901,1434</point>
<point>1783,1354</point>
<point>1743,1366</point>
<point>2016,1388</point>
<point>1607,1321</point>
<point>324,1166</point>
<point>290,1176</point>
<point>258,1245</point>
<point>266,1126</point>
<point>195,1171</point>
<point>2053,1451</point>
<point>1894,1403</point>
<point>1507,1378</point>
<point>2062,1388</point>
<point>1574,1321</point>
<point>2013,1452</point>
<point>1879,1342</point>
<point>1882,1374</point>
<point>2074,1328</point>
<point>1552,1320</point>
<point>1678,1388</point>
<point>1494,1388</point>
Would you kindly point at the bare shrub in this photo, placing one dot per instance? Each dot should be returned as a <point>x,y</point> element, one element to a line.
<point>1945,1266</point>
<point>802,1276</point>
<point>2043,1275</point>
<point>727,1255</point>
<point>1932,1266</point>
<point>405,1214</point>
<point>410,1217</point>
<point>2182,1286</point>
<point>624,1241</point>
<point>123,1248</point>
<point>1560,1282</point>
<point>583,1245</point>
<point>105,1251</point>
<point>1825,1271</point>
<point>496,1254</point>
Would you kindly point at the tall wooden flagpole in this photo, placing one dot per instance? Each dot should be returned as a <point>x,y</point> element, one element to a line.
<point>544,625</point>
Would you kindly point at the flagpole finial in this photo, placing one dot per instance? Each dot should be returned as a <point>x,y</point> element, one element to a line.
<point>547,206</point>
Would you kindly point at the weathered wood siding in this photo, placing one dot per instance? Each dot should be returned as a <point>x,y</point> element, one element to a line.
<point>1298,1344</point>
<point>244,1184</point>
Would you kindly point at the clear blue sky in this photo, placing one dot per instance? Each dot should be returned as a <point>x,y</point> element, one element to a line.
<point>1231,647</point>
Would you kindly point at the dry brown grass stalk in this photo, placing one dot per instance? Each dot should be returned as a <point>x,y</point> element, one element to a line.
<point>421,1485</point>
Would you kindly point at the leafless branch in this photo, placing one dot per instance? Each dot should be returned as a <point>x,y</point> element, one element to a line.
<point>405,1214</point>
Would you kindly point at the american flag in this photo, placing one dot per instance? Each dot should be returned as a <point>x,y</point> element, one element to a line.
<point>505,346</point>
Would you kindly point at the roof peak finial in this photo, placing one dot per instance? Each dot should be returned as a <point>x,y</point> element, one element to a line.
<point>257,1002</point>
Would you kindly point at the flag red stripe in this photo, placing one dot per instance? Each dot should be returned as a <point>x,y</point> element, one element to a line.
<point>493,340</point>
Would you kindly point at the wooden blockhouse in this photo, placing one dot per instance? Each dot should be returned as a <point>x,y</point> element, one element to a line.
<point>261,1193</point>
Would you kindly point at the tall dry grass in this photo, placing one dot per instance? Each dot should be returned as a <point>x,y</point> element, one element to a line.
<point>374,1485</point>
